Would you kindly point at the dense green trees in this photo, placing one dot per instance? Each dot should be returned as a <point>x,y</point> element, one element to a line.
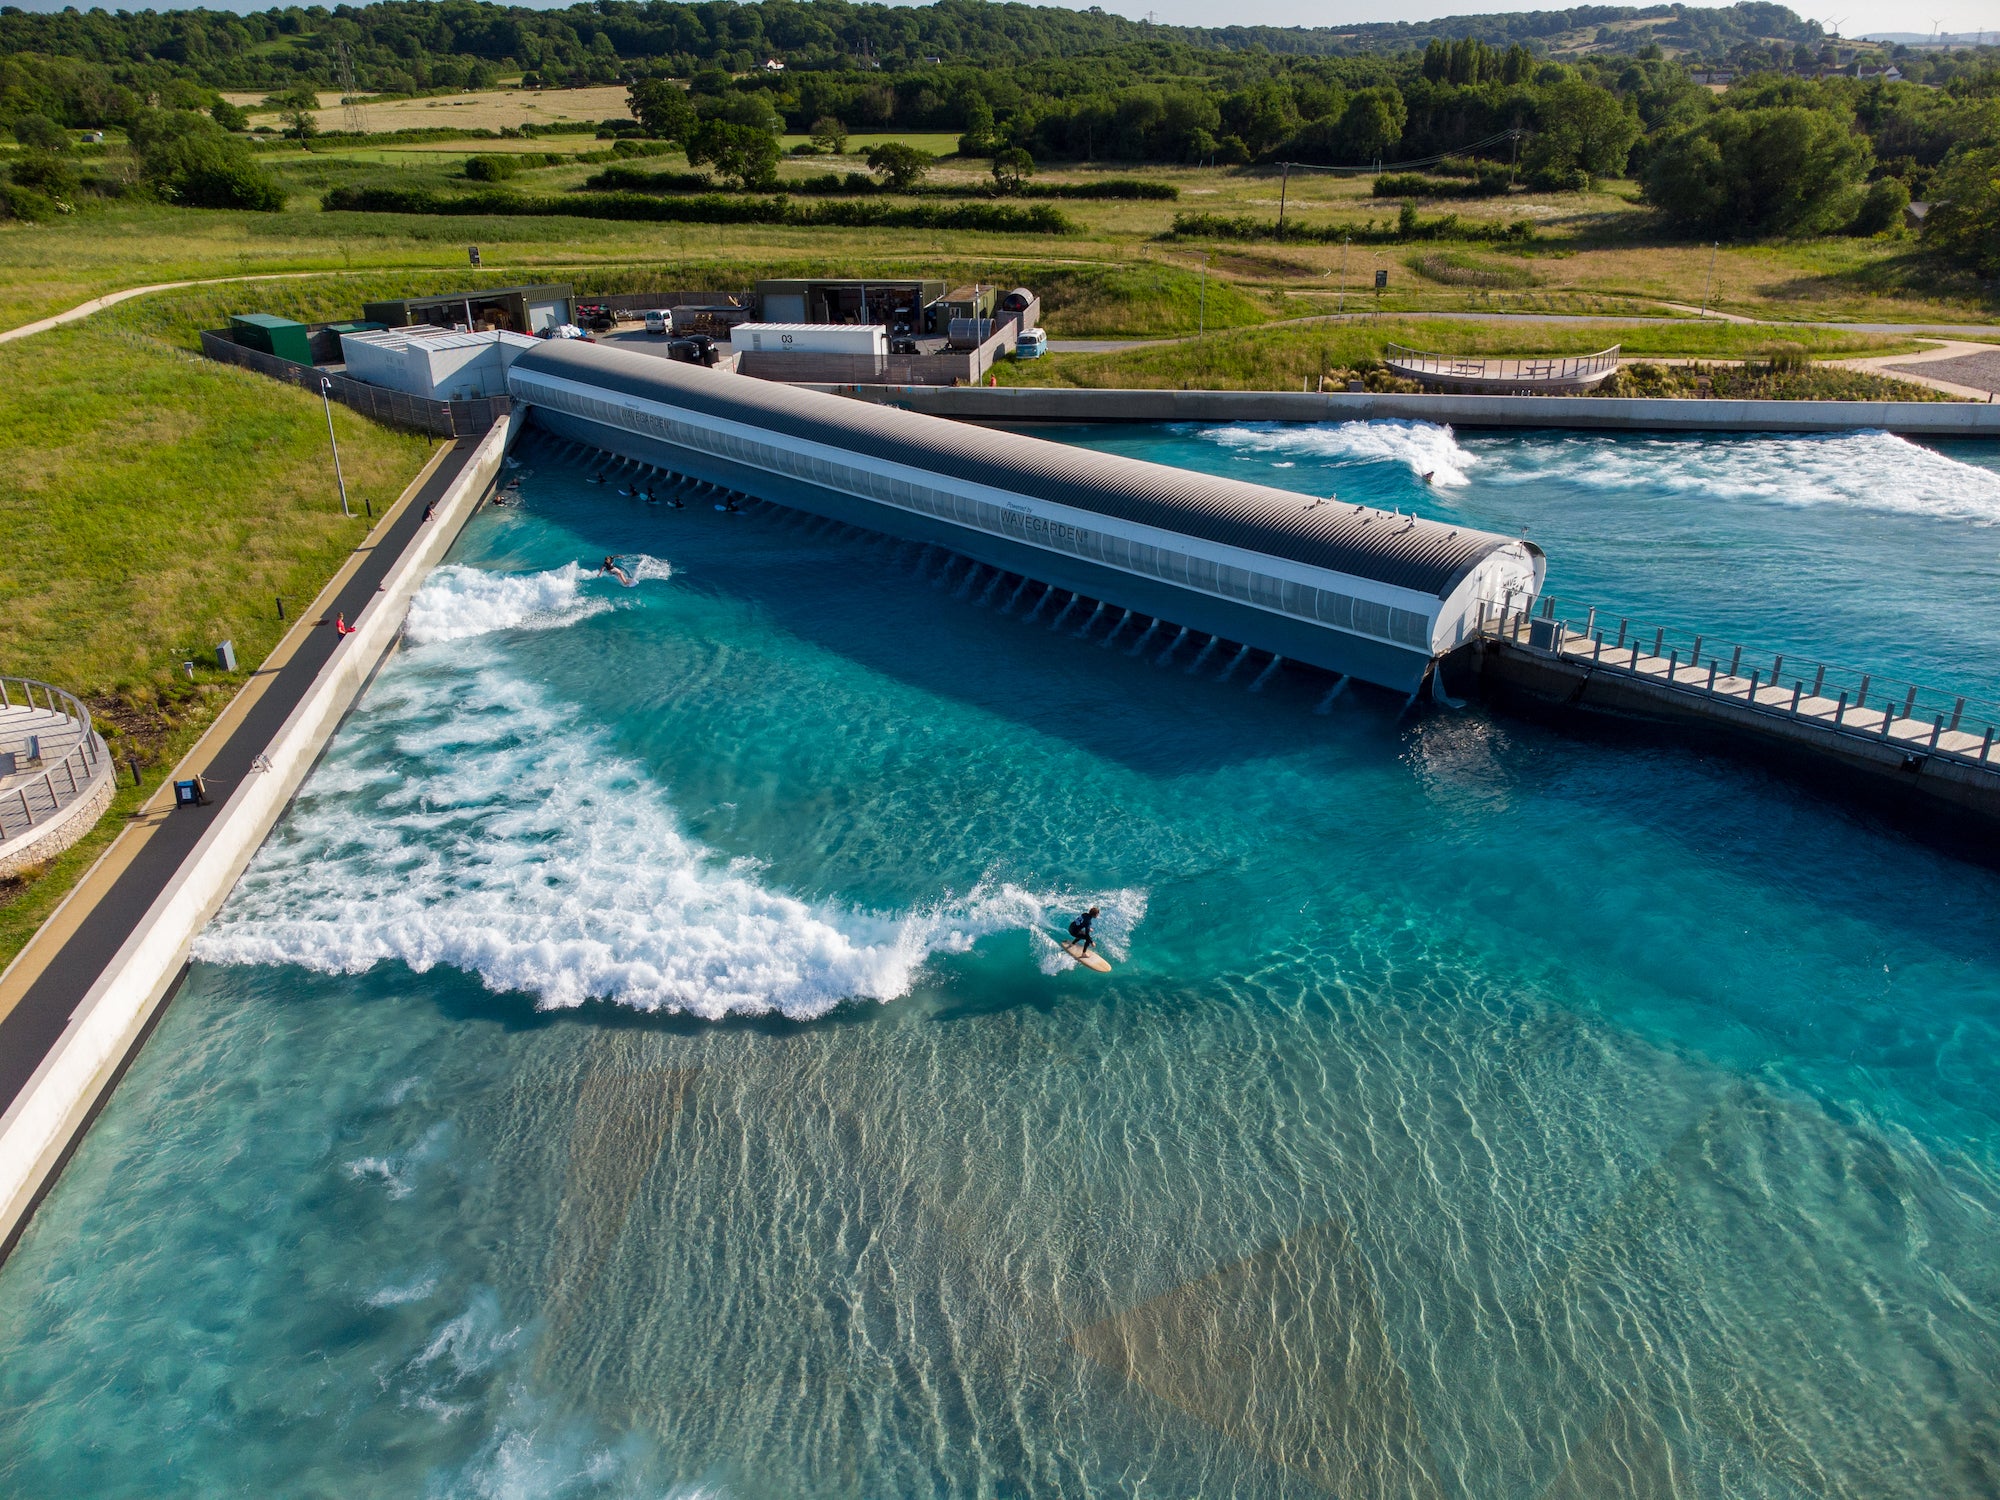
<point>190,160</point>
<point>662,107</point>
<point>1774,154</point>
<point>1584,133</point>
<point>1964,222</point>
<point>1747,172</point>
<point>748,153</point>
<point>902,166</point>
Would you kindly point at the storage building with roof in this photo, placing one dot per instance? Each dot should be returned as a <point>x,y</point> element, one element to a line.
<point>1364,592</point>
<point>433,363</point>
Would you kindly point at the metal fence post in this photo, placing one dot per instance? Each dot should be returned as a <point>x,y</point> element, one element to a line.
<point>1840,710</point>
<point>1798,691</point>
<point>1819,679</point>
<point>1937,728</point>
<point>1735,660</point>
<point>1957,713</point>
<point>1659,640</point>
<point>1861,698</point>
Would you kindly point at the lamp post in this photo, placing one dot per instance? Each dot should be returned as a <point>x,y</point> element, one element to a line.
<point>1710,285</point>
<point>1340,307</point>
<point>326,400</point>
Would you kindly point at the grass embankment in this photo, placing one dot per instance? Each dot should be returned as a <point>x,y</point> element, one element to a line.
<point>1596,253</point>
<point>154,504</point>
<point>1283,358</point>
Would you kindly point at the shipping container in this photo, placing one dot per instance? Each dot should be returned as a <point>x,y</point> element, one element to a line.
<point>810,338</point>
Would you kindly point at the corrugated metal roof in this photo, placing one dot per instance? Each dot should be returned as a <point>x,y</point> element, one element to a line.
<point>440,338</point>
<point>1403,551</point>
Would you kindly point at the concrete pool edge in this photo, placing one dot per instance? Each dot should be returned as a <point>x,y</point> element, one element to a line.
<point>54,1106</point>
<point>1584,413</point>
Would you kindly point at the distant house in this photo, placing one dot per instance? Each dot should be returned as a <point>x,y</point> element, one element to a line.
<point>772,65</point>
<point>1915,214</point>
<point>1715,75</point>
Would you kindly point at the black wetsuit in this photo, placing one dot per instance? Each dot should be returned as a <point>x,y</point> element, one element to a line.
<point>1079,930</point>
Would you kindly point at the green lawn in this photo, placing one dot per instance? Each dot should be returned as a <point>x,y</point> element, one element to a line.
<point>155,504</point>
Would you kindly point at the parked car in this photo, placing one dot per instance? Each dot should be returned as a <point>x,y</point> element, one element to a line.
<point>693,349</point>
<point>902,346</point>
<point>660,320</point>
<point>1033,344</point>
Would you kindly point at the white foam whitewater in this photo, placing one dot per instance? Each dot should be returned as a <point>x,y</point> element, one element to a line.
<point>1866,470</point>
<point>464,819</point>
<point>1421,447</point>
<point>457,602</point>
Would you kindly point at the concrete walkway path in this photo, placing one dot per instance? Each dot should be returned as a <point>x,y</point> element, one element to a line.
<point>112,299</point>
<point>1953,366</point>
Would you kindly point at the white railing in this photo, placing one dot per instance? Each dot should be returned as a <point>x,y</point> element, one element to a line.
<point>28,803</point>
<point>1534,370</point>
<point>1846,700</point>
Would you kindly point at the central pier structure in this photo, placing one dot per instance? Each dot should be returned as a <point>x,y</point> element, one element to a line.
<point>1364,593</point>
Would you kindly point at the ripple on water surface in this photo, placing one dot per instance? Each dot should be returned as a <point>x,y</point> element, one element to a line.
<point>1472,1112</point>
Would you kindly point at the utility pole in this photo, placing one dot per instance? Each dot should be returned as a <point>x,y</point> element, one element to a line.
<point>326,399</point>
<point>1710,287</point>
<point>1283,184</point>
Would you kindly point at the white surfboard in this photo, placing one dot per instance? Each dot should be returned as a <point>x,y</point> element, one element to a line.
<point>1088,957</point>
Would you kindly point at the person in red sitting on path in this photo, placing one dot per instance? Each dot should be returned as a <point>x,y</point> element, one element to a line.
<point>340,625</point>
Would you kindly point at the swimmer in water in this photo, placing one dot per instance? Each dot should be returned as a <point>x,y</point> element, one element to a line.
<point>610,566</point>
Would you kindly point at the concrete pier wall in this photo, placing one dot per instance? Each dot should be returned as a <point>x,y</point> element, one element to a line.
<point>1593,413</point>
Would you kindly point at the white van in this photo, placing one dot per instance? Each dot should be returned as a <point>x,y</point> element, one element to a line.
<point>660,320</point>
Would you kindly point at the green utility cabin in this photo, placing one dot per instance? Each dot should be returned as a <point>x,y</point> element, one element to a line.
<point>279,336</point>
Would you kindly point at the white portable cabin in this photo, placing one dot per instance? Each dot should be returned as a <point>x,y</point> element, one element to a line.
<point>1371,593</point>
<point>810,338</point>
<point>438,364</point>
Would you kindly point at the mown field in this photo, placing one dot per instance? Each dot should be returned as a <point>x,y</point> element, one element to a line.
<point>1596,252</point>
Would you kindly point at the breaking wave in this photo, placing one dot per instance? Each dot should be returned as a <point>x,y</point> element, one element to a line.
<point>457,602</point>
<point>1421,447</point>
<point>502,839</point>
<point>1867,470</point>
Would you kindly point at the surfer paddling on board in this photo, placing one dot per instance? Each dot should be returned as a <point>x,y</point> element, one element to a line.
<point>611,566</point>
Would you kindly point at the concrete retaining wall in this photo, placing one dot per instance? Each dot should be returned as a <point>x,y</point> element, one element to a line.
<point>49,838</point>
<point>1614,413</point>
<point>57,1102</point>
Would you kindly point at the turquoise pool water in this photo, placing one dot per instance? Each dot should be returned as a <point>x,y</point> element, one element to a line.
<point>639,1065</point>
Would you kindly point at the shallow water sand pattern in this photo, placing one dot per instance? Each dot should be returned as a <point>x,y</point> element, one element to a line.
<point>1473,1112</point>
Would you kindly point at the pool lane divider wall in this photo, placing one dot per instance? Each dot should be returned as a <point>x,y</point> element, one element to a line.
<point>54,1106</point>
<point>1374,594</point>
<point>1941,419</point>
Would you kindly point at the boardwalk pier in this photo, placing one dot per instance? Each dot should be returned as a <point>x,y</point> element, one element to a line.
<point>1909,741</point>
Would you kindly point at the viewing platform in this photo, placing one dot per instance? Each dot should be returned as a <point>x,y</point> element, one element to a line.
<point>1912,742</point>
<point>1475,375</point>
<point>56,776</point>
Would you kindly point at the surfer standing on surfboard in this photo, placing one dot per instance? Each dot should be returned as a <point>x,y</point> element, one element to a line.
<point>1079,929</point>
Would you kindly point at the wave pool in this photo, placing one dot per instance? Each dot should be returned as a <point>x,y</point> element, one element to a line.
<point>639,1064</point>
